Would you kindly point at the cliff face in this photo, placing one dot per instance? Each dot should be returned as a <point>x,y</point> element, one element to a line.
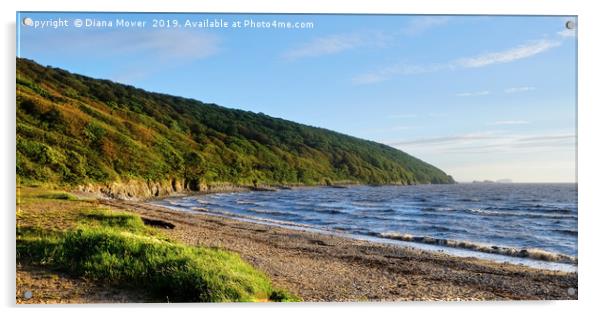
<point>134,189</point>
<point>142,190</point>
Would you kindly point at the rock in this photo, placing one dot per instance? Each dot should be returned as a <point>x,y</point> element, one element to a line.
<point>158,223</point>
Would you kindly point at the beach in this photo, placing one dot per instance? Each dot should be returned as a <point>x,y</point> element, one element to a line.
<point>322,267</point>
<point>394,174</point>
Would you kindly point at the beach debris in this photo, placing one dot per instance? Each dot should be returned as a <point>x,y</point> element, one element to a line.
<point>158,223</point>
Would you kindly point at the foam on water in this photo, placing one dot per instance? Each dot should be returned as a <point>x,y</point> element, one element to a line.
<point>532,253</point>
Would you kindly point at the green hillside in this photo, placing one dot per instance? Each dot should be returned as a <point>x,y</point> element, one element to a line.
<point>73,129</point>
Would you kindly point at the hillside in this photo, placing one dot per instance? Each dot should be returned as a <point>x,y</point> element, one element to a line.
<point>73,129</point>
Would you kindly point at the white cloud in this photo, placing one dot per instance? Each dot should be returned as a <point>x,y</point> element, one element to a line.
<point>489,142</point>
<point>548,138</point>
<point>334,44</point>
<point>337,43</point>
<point>523,51</point>
<point>179,44</point>
<point>518,89</point>
<point>443,140</point>
<point>402,116</point>
<point>324,46</point>
<point>369,78</point>
<point>510,122</point>
<point>487,92</point>
<point>397,70</point>
<point>162,50</point>
<point>146,53</point>
<point>472,94</point>
<point>567,33</point>
<point>520,52</point>
<point>437,114</point>
<point>169,45</point>
<point>421,24</point>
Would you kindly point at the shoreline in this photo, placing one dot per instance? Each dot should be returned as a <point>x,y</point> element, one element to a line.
<point>533,258</point>
<point>324,267</point>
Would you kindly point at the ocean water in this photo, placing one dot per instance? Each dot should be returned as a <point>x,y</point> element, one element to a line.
<point>533,221</point>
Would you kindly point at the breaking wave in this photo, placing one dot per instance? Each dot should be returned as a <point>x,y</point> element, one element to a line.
<point>532,253</point>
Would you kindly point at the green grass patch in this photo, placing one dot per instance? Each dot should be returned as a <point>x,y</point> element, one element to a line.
<point>279,295</point>
<point>58,196</point>
<point>116,248</point>
<point>113,219</point>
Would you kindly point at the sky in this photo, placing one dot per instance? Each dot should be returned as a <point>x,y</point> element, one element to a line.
<point>481,97</point>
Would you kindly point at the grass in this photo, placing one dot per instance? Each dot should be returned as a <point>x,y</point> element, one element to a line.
<point>58,196</point>
<point>116,248</point>
<point>111,219</point>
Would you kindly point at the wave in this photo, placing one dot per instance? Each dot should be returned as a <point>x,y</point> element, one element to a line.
<point>552,214</point>
<point>322,210</point>
<point>271,212</point>
<point>443,229</point>
<point>521,212</point>
<point>569,232</point>
<point>251,218</point>
<point>244,202</point>
<point>372,204</point>
<point>385,210</point>
<point>437,209</point>
<point>533,253</point>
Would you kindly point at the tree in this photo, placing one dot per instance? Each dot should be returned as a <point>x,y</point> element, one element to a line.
<point>194,169</point>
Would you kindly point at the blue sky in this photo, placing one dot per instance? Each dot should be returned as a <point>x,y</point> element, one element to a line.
<point>482,97</point>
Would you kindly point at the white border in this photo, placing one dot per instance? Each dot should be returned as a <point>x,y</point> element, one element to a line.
<point>589,159</point>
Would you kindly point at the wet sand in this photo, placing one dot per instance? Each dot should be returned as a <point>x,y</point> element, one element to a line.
<point>321,267</point>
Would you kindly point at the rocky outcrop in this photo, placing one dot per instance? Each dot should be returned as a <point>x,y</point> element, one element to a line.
<point>142,190</point>
<point>134,189</point>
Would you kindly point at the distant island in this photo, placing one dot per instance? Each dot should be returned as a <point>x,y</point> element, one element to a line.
<point>491,181</point>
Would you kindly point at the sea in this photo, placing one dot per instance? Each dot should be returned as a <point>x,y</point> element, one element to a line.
<point>527,224</point>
